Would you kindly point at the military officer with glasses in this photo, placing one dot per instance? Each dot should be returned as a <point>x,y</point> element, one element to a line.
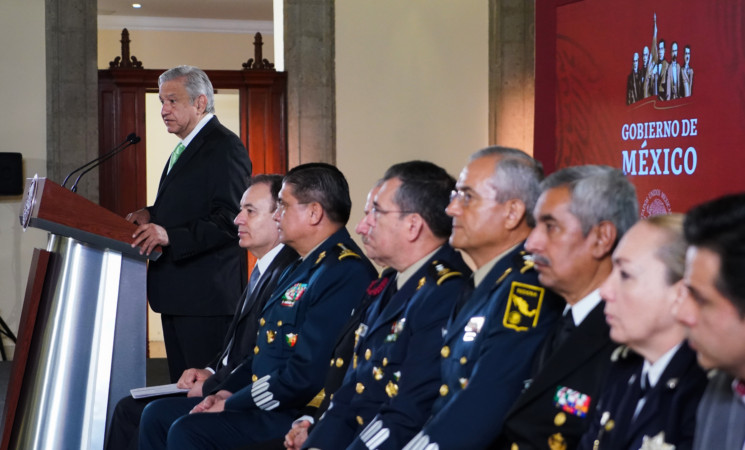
<point>393,380</point>
<point>500,321</point>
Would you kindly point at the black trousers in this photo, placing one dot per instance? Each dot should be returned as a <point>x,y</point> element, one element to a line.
<point>192,341</point>
<point>125,423</point>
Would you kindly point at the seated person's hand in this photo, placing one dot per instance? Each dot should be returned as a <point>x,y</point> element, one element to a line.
<point>295,438</point>
<point>192,376</point>
<point>196,390</point>
<point>212,403</point>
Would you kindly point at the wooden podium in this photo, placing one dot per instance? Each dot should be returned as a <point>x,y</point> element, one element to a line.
<point>82,337</point>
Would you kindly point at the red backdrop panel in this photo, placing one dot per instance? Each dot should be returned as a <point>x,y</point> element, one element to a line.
<point>677,152</point>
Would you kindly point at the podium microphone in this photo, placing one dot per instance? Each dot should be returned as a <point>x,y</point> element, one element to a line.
<point>127,141</point>
<point>131,140</point>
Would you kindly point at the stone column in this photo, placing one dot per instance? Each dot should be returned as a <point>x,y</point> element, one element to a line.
<point>311,81</point>
<point>512,73</point>
<point>72,90</point>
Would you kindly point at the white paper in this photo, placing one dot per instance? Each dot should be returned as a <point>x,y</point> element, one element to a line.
<point>154,391</point>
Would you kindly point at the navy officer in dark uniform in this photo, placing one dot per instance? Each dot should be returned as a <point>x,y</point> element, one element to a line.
<point>500,322</point>
<point>296,436</point>
<point>298,327</point>
<point>655,384</point>
<point>394,377</point>
<point>580,215</point>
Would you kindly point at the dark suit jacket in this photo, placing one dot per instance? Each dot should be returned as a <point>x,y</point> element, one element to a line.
<point>243,329</point>
<point>575,372</point>
<point>720,416</point>
<point>487,354</point>
<point>203,270</point>
<point>670,406</point>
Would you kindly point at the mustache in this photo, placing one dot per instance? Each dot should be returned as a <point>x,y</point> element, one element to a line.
<point>540,259</point>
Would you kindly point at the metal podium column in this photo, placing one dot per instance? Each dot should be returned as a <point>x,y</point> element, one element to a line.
<point>65,395</point>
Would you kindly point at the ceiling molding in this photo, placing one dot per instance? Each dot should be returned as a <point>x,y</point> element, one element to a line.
<point>185,24</point>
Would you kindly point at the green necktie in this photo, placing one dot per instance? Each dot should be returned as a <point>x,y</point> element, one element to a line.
<point>174,156</point>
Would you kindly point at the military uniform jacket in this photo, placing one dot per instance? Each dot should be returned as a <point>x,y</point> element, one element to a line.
<point>298,327</point>
<point>388,392</point>
<point>203,270</point>
<point>344,348</point>
<point>487,354</point>
<point>241,336</point>
<point>557,406</point>
<point>669,408</point>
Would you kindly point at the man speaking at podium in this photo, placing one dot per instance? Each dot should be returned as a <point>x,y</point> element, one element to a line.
<point>197,281</point>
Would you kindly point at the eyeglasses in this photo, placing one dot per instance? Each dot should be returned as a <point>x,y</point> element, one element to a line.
<point>377,212</point>
<point>282,206</point>
<point>466,197</point>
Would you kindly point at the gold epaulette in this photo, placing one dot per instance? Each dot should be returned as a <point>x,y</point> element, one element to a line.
<point>346,252</point>
<point>316,402</point>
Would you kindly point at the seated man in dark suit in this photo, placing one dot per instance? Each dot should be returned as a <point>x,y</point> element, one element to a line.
<point>581,214</point>
<point>257,233</point>
<point>713,311</point>
<point>298,327</point>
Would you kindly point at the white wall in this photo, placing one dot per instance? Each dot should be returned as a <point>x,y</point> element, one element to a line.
<point>417,89</point>
<point>23,129</point>
<point>411,83</point>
